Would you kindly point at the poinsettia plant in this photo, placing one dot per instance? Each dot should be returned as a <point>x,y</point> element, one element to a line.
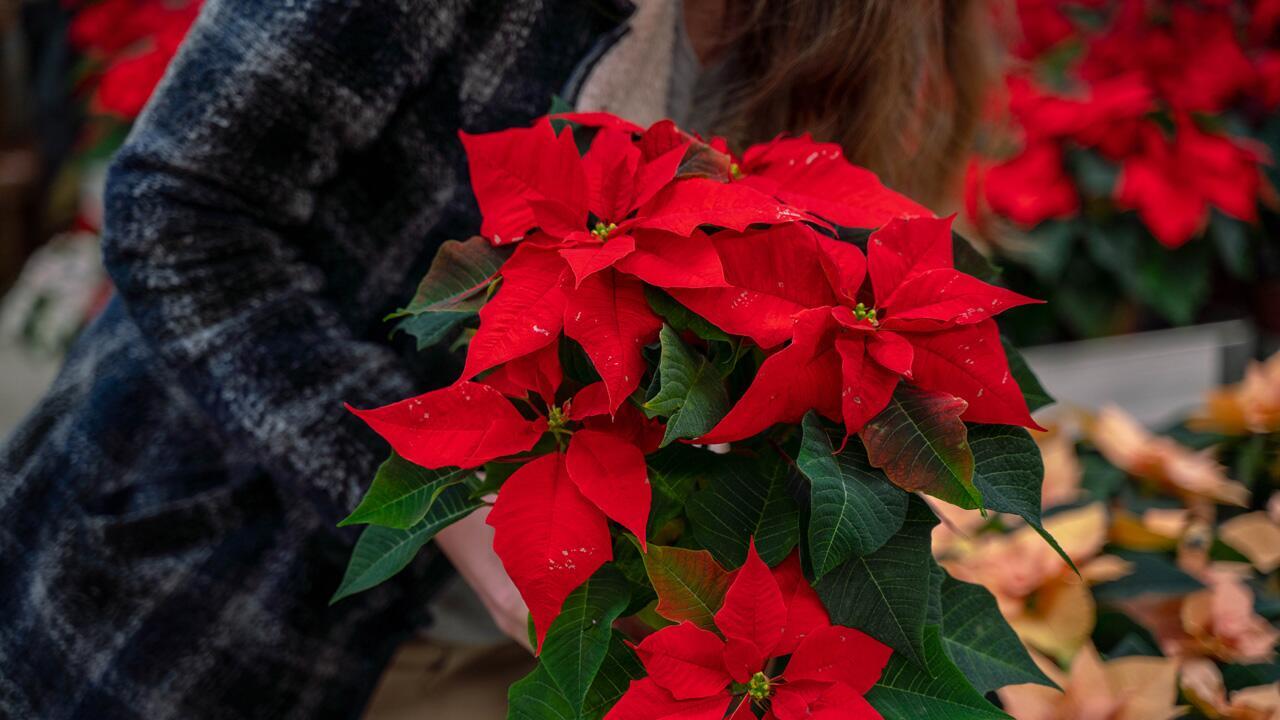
<point>720,395</point>
<point>1129,175</point>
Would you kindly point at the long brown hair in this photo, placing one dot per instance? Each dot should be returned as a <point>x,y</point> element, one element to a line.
<point>898,84</point>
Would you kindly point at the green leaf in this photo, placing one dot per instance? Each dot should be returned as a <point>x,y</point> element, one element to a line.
<point>690,584</point>
<point>884,594</point>
<point>746,498</point>
<point>970,261</point>
<point>1096,175</point>
<point>1047,250</point>
<point>682,318</point>
<point>854,508</point>
<point>578,640</point>
<point>402,493</point>
<point>1173,282</point>
<point>619,668</point>
<point>537,697</point>
<point>938,691</point>
<point>431,328</point>
<point>452,291</point>
<point>937,575</point>
<point>382,552</point>
<point>980,641</point>
<point>459,273</point>
<point>674,472</point>
<point>1032,391</point>
<point>692,395</point>
<point>921,444</point>
<point>1009,471</point>
<point>1231,238</point>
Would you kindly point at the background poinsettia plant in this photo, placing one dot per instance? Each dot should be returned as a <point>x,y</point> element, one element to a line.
<point>1128,173</point>
<point>638,295</point>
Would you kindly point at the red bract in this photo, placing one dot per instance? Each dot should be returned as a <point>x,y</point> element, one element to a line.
<point>921,320</point>
<point>136,39</point>
<point>1108,116</point>
<point>695,674</point>
<point>817,178</point>
<point>607,314</point>
<point>551,517</point>
<point>1194,62</point>
<point>464,425</point>
<point>1171,183</point>
<point>104,29</point>
<point>1032,187</point>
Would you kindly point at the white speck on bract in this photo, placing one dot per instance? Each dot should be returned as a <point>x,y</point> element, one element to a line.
<point>809,160</point>
<point>541,330</point>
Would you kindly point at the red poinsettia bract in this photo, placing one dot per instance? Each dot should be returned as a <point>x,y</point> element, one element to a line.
<point>695,674</point>
<point>135,40</point>
<point>920,320</point>
<point>1172,182</point>
<point>551,516</point>
<point>597,227</point>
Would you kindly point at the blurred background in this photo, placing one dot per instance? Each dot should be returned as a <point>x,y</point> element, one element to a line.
<point>1125,172</point>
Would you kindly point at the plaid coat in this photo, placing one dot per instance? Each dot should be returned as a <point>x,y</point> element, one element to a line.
<point>167,539</point>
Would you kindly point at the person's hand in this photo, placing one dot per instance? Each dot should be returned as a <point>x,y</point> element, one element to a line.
<point>468,544</point>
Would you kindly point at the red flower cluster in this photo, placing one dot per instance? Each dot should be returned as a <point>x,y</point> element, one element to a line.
<point>551,520</point>
<point>695,674</point>
<point>918,319</point>
<point>1152,66</point>
<point>133,41</point>
<point>749,245</point>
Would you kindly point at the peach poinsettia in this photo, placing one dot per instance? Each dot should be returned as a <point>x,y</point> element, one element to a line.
<point>1062,472</point>
<point>1251,406</point>
<point>1155,530</point>
<point>1220,622</point>
<point>1048,605</point>
<point>1255,535</point>
<point>1217,622</point>
<point>1193,476</point>
<point>1202,684</point>
<point>1127,688</point>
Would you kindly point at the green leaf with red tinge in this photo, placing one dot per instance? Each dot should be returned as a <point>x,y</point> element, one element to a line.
<point>458,274</point>
<point>690,584</point>
<point>922,446</point>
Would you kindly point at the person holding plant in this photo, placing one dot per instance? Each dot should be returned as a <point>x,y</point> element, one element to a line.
<point>169,546</point>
